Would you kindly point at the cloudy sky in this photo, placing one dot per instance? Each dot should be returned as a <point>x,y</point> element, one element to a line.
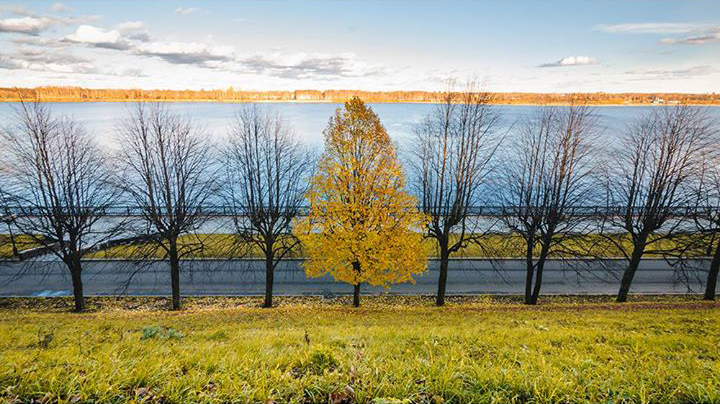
<point>535,46</point>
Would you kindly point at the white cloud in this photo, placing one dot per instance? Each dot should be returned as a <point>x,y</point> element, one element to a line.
<point>571,61</point>
<point>671,74</point>
<point>701,33</point>
<point>41,60</point>
<point>194,53</point>
<point>60,7</point>
<point>124,39</point>
<point>31,23</point>
<point>700,38</point>
<point>25,25</point>
<point>34,60</point>
<point>186,10</point>
<point>99,38</point>
<point>17,10</point>
<point>305,66</point>
<point>650,28</point>
<point>130,25</point>
<point>76,20</point>
<point>39,41</point>
<point>226,58</point>
<point>94,35</point>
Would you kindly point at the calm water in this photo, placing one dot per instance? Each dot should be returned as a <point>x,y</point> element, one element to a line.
<point>308,119</point>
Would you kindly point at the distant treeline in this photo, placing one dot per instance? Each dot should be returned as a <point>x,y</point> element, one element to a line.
<point>230,95</point>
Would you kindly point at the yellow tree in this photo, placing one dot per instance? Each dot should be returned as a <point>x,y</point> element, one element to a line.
<point>362,227</point>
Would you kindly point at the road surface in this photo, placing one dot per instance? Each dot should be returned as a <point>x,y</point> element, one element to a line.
<point>247,277</point>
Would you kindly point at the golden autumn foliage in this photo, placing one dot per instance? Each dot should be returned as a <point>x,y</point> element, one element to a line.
<point>362,227</point>
<point>80,94</point>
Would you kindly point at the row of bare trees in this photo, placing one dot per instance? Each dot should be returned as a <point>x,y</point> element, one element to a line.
<point>60,184</point>
<point>666,160</point>
<point>268,171</point>
<point>539,171</point>
<point>57,178</point>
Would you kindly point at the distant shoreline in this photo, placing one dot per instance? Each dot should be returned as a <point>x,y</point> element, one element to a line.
<point>341,101</point>
<point>79,94</point>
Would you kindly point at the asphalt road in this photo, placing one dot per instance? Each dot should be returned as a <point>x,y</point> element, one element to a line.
<point>247,277</point>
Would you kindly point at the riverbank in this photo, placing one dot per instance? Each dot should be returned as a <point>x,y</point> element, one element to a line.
<point>78,94</point>
<point>340,101</point>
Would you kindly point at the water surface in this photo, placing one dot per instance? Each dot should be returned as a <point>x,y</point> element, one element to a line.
<point>308,119</point>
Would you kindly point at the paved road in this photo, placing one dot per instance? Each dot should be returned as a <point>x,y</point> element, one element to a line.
<point>246,277</point>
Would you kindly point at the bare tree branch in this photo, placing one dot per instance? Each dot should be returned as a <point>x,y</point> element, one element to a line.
<point>547,172</point>
<point>268,171</point>
<point>57,182</point>
<point>647,182</point>
<point>167,171</point>
<point>451,162</point>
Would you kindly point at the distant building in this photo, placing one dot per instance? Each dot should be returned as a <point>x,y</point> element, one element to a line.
<point>657,100</point>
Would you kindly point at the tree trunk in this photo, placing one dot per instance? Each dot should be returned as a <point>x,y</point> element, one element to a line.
<point>539,272</point>
<point>356,291</point>
<point>174,274</point>
<point>269,274</point>
<point>76,275</point>
<point>538,281</point>
<point>356,295</point>
<point>638,251</point>
<point>529,267</point>
<point>442,279</point>
<point>15,252</point>
<point>711,283</point>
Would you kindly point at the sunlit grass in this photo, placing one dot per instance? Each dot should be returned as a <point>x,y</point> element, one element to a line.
<point>505,246</point>
<point>475,350</point>
<point>22,242</point>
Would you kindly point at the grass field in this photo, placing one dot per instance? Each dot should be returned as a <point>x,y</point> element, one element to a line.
<point>22,242</point>
<point>392,350</point>
<point>227,246</point>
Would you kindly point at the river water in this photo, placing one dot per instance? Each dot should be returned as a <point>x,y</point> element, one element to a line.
<point>307,119</point>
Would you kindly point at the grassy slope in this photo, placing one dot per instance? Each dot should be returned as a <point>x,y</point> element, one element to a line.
<point>475,350</point>
<point>226,246</point>
<point>22,242</point>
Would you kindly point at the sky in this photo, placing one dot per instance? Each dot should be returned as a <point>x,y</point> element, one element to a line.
<point>527,46</point>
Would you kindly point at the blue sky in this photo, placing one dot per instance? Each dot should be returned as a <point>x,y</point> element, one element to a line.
<point>535,46</point>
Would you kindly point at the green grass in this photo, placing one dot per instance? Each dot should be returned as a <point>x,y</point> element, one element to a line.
<point>481,349</point>
<point>227,246</point>
<point>22,242</point>
<point>213,246</point>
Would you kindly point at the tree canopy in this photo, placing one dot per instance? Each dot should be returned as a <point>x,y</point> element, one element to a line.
<point>362,227</point>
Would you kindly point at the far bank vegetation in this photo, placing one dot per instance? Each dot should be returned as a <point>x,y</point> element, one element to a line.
<point>79,94</point>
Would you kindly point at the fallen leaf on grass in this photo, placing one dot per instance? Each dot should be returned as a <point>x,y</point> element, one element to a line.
<point>340,398</point>
<point>210,386</point>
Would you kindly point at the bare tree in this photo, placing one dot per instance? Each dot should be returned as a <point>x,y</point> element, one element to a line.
<point>693,246</point>
<point>166,170</point>
<point>647,180</point>
<point>268,171</point>
<point>57,183</point>
<point>545,177</point>
<point>454,146</point>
